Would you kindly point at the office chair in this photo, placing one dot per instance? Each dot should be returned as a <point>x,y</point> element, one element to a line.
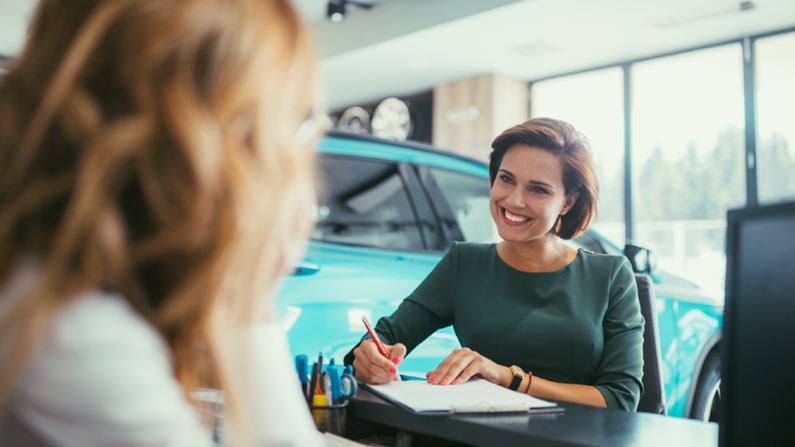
<point>653,398</point>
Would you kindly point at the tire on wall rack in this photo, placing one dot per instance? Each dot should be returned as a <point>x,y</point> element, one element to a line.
<point>706,401</point>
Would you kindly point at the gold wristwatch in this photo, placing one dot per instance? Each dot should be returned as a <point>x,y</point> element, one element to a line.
<point>518,376</point>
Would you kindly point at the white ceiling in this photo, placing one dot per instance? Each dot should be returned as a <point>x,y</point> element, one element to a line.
<point>14,16</point>
<point>405,46</point>
<point>533,39</point>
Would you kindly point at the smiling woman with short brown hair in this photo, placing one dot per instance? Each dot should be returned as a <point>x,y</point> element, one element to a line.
<point>579,175</point>
<point>567,321</point>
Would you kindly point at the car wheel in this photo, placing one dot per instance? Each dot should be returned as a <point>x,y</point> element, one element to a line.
<point>706,402</point>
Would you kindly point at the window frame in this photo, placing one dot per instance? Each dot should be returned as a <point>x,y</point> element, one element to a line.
<point>444,215</point>
<point>749,93</point>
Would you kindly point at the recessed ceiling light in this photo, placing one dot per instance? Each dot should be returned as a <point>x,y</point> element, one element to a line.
<point>703,13</point>
<point>533,50</point>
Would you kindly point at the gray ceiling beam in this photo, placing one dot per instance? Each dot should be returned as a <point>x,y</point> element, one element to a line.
<point>392,19</point>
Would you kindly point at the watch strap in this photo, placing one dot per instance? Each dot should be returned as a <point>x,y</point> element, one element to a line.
<point>516,381</point>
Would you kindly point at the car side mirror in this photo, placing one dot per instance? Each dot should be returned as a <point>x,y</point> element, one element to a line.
<point>643,259</point>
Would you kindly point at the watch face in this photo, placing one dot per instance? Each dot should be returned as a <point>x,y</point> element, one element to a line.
<point>517,371</point>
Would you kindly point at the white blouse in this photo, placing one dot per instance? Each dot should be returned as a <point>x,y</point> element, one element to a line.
<point>103,377</point>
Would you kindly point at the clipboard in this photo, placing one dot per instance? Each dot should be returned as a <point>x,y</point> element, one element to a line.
<point>490,407</point>
<point>474,397</point>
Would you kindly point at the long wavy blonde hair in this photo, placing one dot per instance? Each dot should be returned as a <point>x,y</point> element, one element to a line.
<point>148,147</point>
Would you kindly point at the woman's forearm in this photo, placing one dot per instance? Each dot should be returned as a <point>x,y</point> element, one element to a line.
<point>581,394</point>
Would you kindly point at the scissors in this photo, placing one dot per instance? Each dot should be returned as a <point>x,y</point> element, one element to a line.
<point>348,386</point>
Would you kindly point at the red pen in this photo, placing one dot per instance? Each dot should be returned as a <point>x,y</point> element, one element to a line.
<point>378,344</point>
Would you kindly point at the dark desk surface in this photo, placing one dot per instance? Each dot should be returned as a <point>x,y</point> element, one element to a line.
<point>579,425</point>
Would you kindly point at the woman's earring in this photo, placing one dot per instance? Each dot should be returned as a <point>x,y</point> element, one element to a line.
<point>558,223</point>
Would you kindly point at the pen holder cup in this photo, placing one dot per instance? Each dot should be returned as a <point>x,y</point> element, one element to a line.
<point>330,418</point>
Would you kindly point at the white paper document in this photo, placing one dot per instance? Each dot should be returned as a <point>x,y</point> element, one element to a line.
<point>474,396</point>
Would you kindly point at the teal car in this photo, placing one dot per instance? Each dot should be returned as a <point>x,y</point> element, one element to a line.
<point>388,211</point>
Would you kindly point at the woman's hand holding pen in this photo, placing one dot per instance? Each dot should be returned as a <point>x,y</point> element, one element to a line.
<point>462,364</point>
<point>373,368</point>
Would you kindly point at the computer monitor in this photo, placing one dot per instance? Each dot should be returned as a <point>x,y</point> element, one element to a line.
<point>758,371</point>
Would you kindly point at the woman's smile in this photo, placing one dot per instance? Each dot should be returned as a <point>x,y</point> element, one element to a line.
<point>513,219</point>
<point>528,195</point>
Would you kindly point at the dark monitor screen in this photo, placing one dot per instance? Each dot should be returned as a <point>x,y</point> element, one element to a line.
<point>758,372</point>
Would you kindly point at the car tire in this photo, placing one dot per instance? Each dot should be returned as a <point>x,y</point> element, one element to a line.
<point>706,402</point>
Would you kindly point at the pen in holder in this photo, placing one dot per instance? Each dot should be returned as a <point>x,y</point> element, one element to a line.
<point>328,394</point>
<point>329,418</point>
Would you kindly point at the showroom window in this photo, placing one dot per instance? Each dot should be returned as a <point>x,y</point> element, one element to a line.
<point>688,146</point>
<point>593,103</point>
<point>775,93</point>
<point>364,202</point>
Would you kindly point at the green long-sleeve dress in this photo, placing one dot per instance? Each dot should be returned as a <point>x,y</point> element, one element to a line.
<point>580,324</point>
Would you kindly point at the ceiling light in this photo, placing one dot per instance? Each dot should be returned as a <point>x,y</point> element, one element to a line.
<point>703,13</point>
<point>336,10</point>
<point>535,49</point>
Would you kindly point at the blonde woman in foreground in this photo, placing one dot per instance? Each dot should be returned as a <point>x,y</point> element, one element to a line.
<point>154,187</point>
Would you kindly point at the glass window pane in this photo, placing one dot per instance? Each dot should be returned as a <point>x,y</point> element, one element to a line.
<point>593,103</point>
<point>364,202</point>
<point>467,197</point>
<point>688,148</point>
<point>775,90</point>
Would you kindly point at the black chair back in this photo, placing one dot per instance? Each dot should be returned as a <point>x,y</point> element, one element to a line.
<point>653,399</point>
